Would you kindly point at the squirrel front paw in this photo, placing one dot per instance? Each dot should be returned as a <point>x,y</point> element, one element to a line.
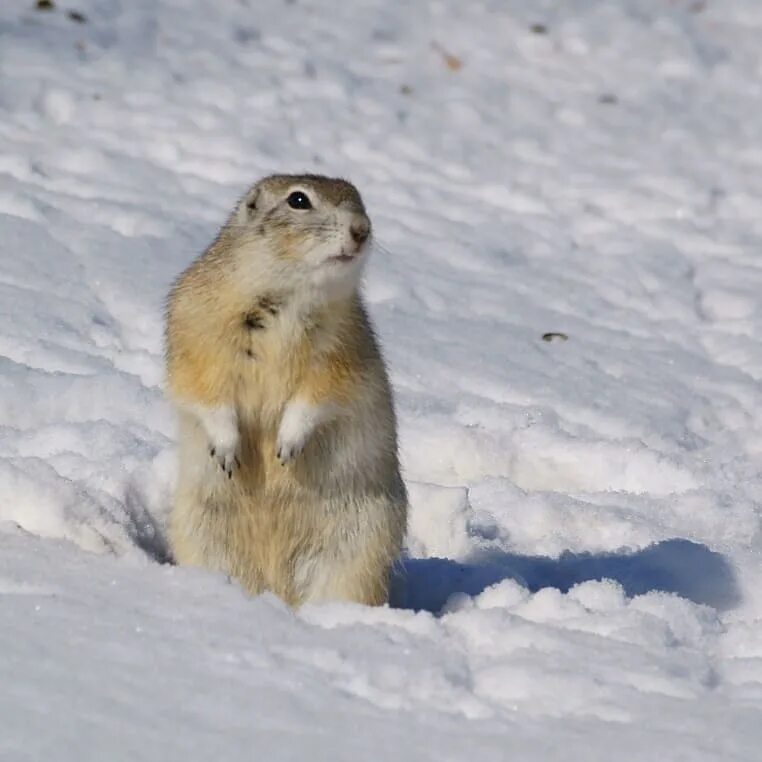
<point>299,421</point>
<point>288,450</point>
<point>292,437</point>
<point>225,458</point>
<point>294,431</point>
<point>221,427</point>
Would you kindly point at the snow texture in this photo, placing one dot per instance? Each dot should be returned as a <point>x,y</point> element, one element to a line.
<point>566,284</point>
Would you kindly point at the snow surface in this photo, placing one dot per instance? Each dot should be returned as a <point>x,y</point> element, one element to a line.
<point>584,578</point>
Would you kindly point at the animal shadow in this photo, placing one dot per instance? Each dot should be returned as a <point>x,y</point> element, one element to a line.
<point>679,566</point>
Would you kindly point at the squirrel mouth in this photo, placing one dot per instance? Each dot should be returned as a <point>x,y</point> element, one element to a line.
<point>347,254</point>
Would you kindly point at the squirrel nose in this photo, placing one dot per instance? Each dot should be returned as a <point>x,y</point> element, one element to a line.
<point>359,231</point>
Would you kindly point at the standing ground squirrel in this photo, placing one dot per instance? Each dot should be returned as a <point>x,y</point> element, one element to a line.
<point>289,478</point>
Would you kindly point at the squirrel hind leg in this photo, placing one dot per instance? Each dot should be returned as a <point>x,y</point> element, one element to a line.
<point>326,578</point>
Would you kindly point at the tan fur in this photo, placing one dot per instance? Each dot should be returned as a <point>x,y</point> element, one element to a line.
<point>330,523</point>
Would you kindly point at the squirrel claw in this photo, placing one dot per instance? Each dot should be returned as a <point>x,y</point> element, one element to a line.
<point>286,454</point>
<point>230,466</point>
<point>228,462</point>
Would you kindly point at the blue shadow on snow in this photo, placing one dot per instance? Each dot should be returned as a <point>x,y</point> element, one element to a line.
<point>689,569</point>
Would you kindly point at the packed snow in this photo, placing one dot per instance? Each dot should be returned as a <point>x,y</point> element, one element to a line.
<point>566,282</point>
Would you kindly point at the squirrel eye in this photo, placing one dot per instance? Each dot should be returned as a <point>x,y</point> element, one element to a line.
<point>299,200</point>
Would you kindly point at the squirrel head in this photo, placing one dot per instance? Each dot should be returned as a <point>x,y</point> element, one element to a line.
<point>306,230</point>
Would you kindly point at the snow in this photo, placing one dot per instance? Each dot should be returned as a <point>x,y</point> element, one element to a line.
<point>582,577</point>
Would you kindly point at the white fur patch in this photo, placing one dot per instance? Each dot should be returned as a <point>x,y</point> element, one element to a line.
<point>299,420</point>
<point>221,426</point>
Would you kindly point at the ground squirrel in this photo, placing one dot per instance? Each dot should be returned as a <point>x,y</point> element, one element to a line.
<point>289,478</point>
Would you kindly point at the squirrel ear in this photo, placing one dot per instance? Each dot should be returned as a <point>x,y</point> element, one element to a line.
<point>251,201</point>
